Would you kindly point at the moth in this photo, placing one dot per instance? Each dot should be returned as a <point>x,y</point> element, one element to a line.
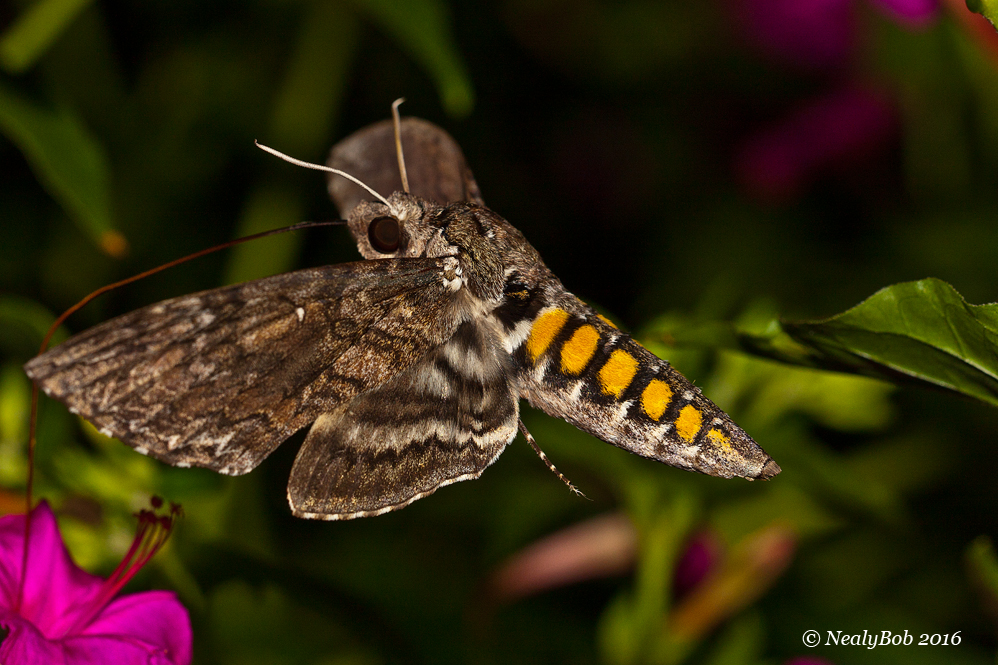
<point>409,365</point>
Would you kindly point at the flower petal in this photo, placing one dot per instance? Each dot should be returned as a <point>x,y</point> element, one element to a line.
<point>154,618</point>
<point>600,547</point>
<point>807,34</point>
<point>844,125</point>
<point>25,645</point>
<point>911,13</point>
<point>56,591</point>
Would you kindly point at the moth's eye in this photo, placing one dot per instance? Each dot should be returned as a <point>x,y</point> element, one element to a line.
<point>384,234</point>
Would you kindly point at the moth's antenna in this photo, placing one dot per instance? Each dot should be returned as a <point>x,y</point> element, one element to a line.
<point>321,167</point>
<point>398,143</point>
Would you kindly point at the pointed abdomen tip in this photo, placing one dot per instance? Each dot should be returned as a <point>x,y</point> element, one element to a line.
<point>770,470</point>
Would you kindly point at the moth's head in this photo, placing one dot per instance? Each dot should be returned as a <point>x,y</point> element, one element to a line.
<point>493,254</point>
<point>402,228</point>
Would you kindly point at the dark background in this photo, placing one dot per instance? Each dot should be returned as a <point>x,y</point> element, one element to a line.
<point>667,159</point>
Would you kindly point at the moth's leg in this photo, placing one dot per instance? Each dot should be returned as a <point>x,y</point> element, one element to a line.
<point>547,462</point>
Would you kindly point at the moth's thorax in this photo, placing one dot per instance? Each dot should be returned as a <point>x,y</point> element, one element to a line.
<point>493,255</point>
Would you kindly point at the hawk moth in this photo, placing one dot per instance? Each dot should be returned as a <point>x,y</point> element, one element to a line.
<point>409,365</point>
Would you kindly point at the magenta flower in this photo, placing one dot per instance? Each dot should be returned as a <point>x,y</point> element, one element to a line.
<point>845,124</point>
<point>912,13</point>
<point>700,558</point>
<point>809,34</point>
<point>57,613</point>
<point>842,126</point>
<point>819,34</point>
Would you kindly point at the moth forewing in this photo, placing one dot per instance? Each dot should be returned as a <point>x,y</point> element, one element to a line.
<point>219,379</point>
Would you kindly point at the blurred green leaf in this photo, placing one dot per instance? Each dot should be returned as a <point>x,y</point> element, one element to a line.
<point>921,330</point>
<point>68,161</point>
<point>630,629</point>
<point>987,8</point>
<point>23,324</point>
<point>267,207</point>
<point>34,31</point>
<point>15,406</point>
<point>308,102</point>
<point>785,502</point>
<point>767,391</point>
<point>423,27</point>
<point>264,625</point>
<point>983,568</point>
<point>741,643</point>
<point>304,113</point>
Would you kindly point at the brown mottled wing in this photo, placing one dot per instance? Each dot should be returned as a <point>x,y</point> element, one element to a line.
<point>434,162</point>
<point>443,420</point>
<point>219,379</point>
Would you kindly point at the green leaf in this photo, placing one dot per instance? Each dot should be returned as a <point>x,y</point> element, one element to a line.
<point>304,112</point>
<point>423,27</point>
<point>35,30</point>
<point>15,405</point>
<point>630,629</point>
<point>267,207</point>
<point>741,642</point>
<point>23,324</point>
<point>921,330</point>
<point>986,8</point>
<point>982,564</point>
<point>68,161</point>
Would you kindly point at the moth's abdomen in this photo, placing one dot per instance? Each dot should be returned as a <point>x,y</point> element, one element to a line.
<point>574,364</point>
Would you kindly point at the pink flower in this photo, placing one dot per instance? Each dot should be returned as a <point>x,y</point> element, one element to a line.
<point>844,125</point>
<point>701,557</point>
<point>819,34</point>
<point>912,13</point>
<point>599,547</point>
<point>810,34</point>
<point>57,613</point>
<point>841,126</point>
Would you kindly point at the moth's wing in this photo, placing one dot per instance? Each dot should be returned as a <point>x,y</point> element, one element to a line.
<point>441,421</point>
<point>572,364</point>
<point>219,379</point>
<point>434,163</point>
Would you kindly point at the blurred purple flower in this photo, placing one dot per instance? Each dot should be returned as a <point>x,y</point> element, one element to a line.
<point>602,546</point>
<point>812,34</point>
<point>851,122</point>
<point>912,13</point>
<point>700,558</point>
<point>842,125</point>
<point>818,34</point>
<point>58,613</point>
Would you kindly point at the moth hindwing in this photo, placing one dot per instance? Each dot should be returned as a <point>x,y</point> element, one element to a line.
<point>409,365</point>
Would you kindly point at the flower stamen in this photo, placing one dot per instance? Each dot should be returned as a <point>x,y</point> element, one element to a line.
<point>152,533</point>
